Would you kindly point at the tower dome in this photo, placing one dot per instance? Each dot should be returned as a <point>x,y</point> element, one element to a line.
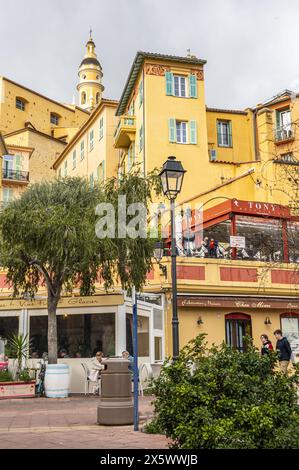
<point>90,73</point>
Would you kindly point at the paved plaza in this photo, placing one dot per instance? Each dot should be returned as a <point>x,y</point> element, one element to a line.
<point>69,423</point>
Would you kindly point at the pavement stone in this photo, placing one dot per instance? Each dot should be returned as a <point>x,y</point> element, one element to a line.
<point>71,423</point>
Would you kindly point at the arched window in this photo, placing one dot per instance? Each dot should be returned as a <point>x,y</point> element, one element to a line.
<point>97,98</point>
<point>83,97</point>
<point>237,325</point>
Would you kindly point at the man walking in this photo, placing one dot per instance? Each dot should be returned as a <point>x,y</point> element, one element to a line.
<point>284,351</point>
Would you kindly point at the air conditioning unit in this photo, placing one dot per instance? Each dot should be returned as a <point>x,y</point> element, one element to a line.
<point>213,155</point>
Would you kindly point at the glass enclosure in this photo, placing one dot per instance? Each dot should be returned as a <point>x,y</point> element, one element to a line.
<point>78,335</point>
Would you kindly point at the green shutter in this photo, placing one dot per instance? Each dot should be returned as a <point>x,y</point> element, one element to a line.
<point>219,140</point>
<point>18,165</point>
<point>193,132</point>
<point>230,134</point>
<point>169,83</point>
<point>193,86</point>
<point>140,138</point>
<point>140,93</point>
<point>172,130</point>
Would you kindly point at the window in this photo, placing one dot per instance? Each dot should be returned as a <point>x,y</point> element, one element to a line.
<point>140,138</point>
<point>263,237</point>
<point>81,335</point>
<point>293,241</point>
<point>98,98</point>
<point>132,108</point>
<point>181,132</point>
<point>7,195</point>
<point>54,119</point>
<point>91,180</point>
<point>65,168</point>
<point>237,325</point>
<point>8,326</point>
<point>20,104</point>
<point>290,328</point>
<point>101,128</point>
<point>283,124</point>
<point>176,85</point>
<point>91,142</point>
<point>224,135</point>
<point>82,150</point>
<point>74,159</point>
<point>131,156</point>
<point>140,93</point>
<point>287,158</point>
<point>179,85</point>
<point>83,97</point>
<point>101,172</point>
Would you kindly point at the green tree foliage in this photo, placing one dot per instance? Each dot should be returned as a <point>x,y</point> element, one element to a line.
<point>48,237</point>
<point>219,398</point>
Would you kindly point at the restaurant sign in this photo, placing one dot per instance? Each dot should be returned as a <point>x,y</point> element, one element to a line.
<point>235,302</point>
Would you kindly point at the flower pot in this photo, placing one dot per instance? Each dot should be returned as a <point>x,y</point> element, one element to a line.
<point>17,389</point>
<point>57,380</point>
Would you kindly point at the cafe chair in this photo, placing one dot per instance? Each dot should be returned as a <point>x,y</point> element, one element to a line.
<point>87,380</point>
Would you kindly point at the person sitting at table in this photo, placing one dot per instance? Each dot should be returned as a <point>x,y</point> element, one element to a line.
<point>96,367</point>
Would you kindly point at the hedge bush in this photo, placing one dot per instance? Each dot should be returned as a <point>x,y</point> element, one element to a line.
<point>228,400</point>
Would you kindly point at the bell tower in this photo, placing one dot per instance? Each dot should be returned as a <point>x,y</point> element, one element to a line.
<point>90,73</point>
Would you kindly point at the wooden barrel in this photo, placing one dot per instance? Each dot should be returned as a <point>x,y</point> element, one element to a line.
<point>57,380</point>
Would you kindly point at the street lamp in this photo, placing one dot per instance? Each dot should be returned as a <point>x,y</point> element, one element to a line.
<point>172,176</point>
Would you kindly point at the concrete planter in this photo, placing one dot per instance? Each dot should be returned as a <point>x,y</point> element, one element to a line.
<point>17,389</point>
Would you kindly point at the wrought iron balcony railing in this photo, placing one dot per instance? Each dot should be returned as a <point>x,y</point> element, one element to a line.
<point>15,175</point>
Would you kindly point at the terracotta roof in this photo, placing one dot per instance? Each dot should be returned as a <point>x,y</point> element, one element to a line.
<point>230,111</point>
<point>135,69</point>
<point>45,97</point>
<point>31,129</point>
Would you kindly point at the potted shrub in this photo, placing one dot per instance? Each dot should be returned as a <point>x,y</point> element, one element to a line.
<point>18,384</point>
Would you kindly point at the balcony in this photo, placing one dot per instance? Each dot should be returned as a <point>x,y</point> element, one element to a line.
<point>125,132</point>
<point>284,133</point>
<point>15,176</point>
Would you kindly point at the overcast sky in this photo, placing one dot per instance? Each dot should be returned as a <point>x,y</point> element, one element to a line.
<point>251,46</point>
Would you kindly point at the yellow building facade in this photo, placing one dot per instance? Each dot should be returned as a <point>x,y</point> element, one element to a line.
<point>234,162</point>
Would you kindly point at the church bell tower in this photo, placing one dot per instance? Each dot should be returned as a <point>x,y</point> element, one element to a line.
<point>90,73</point>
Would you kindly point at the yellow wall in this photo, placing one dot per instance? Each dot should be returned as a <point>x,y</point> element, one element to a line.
<point>103,150</point>
<point>46,151</point>
<point>37,110</point>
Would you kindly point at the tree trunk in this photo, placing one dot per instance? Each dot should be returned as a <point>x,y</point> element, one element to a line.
<point>52,328</point>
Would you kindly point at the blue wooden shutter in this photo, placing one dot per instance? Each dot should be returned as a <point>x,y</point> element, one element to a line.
<point>18,166</point>
<point>219,130</point>
<point>193,132</point>
<point>172,130</point>
<point>192,86</point>
<point>169,83</point>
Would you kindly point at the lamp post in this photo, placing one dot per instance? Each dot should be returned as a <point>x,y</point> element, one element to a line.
<point>172,176</point>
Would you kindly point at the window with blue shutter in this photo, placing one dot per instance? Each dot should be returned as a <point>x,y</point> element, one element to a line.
<point>193,132</point>
<point>140,138</point>
<point>18,166</point>
<point>91,142</point>
<point>140,93</point>
<point>172,130</point>
<point>74,159</point>
<point>101,133</point>
<point>192,86</point>
<point>65,168</point>
<point>169,83</point>
<point>82,150</point>
<point>224,133</point>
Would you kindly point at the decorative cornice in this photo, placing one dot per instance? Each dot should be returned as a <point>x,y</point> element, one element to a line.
<point>156,69</point>
<point>199,74</point>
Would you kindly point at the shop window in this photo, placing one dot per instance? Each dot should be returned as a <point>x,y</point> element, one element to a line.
<point>293,241</point>
<point>263,238</point>
<point>143,335</point>
<point>290,329</point>
<point>221,234</point>
<point>237,325</point>
<point>8,326</point>
<point>79,335</point>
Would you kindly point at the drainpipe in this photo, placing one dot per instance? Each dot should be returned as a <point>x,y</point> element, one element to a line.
<point>143,116</point>
<point>255,136</point>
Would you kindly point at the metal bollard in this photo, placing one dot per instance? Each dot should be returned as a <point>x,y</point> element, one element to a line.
<point>116,404</point>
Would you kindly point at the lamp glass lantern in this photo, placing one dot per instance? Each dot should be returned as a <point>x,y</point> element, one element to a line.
<point>158,251</point>
<point>172,176</point>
